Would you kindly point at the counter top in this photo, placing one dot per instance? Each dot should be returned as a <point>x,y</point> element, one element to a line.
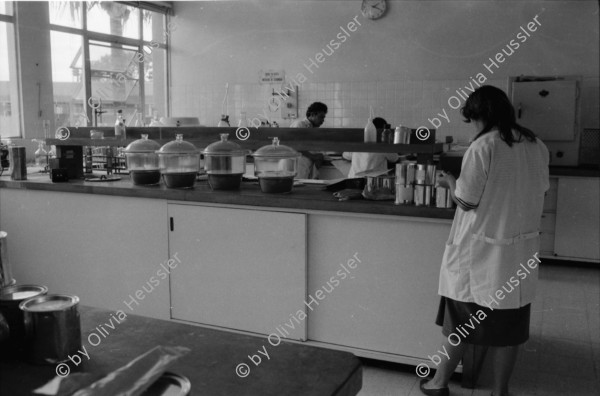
<point>302,198</point>
<point>574,171</point>
<point>292,369</point>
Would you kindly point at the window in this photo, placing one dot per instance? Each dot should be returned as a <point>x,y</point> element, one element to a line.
<point>10,125</point>
<point>107,56</point>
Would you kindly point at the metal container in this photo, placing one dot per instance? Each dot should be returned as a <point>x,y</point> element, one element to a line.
<point>6,278</point>
<point>410,173</point>
<point>18,163</point>
<point>441,197</point>
<point>401,174</point>
<point>404,194</point>
<point>52,328</point>
<point>430,177</point>
<point>10,298</point>
<point>422,195</point>
<point>421,174</point>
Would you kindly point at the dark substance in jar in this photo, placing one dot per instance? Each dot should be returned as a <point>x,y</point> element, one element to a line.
<point>225,182</point>
<point>276,184</point>
<point>180,180</point>
<point>145,177</point>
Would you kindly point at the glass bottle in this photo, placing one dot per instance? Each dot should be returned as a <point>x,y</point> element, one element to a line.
<point>41,156</point>
<point>120,130</point>
<point>243,122</point>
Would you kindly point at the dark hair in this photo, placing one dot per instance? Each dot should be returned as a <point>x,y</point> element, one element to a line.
<point>379,123</point>
<point>316,108</point>
<point>491,106</point>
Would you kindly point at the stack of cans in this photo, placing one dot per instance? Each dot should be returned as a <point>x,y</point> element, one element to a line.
<point>424,184</point>
<point>405,178</point>
<point>417,184</point>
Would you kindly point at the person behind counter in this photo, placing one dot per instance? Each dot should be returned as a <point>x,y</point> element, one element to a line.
<point>363,163</point>
<point>483,279</point>
<point>310,161</point>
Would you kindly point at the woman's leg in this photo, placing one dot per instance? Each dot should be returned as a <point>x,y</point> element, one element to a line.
<point>446,368</point>
<point>504,359</point>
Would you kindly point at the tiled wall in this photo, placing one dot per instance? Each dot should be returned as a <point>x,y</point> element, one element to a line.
<point>409,103</point>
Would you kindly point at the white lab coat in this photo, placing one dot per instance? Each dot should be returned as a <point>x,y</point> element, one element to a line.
<point>369,162</point>
<point>487,246</point>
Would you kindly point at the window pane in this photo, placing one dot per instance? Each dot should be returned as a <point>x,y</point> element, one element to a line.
<point>9,93</point>
<point>66,13</point>
<point>155,83</point>
<point>154,26</point>
<point>113,18</point>
<point>115,73</point>
<point>6,7</point>
<point>67,79</point>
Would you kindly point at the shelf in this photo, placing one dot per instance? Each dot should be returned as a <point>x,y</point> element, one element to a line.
<point>301,139</point>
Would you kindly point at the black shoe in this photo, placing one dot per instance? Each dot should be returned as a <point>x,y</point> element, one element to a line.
<point>433,392</point>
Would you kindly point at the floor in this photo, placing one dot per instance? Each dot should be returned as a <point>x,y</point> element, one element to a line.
<point>562,356</point>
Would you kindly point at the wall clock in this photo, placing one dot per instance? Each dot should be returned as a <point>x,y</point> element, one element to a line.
<point>373,9</point>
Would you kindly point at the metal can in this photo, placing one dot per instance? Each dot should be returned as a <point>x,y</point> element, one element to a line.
<point>10,298</point>
<point>410,173</point>
<point>421,174</point>
<point>441,195</point>
<point>6,278</point>
<point>419,196</point>
<point>404,194</point>
<point>430,175</point>
<point>52,327</point>
<point>18,163</point>
<point>401,174</point>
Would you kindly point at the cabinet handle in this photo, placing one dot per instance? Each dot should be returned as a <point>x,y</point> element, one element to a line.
<point>172,223</point>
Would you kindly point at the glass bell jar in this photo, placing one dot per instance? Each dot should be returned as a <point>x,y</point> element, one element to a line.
<point>225,163</point>
<point>275,166</point>
<point>142,161</point>
<point>179,162</point>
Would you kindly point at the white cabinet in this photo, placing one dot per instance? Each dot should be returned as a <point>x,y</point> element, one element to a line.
<point>240,269</point>
<point>389,302</point>
<point>103,249</point>
<point>578,218</point>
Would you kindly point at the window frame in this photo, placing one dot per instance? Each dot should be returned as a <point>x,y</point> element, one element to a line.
<point>15,104</point>
<point>139,43</point>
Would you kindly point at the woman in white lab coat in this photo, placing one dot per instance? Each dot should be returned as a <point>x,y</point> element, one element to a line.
<point>489,268</point>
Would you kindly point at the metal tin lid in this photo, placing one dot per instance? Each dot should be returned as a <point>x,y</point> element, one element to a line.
<point>276,150</point>
<point>49,303</point>
<point>169,384</point>
<point>224,147</point>
<point>143,145</point>
<point>10,294</point>
<point>178,146</point>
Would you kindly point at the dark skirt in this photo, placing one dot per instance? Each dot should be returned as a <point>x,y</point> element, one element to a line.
<point>474,324</point>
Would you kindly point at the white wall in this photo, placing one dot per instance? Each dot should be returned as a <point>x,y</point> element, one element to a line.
<point>406,64</point>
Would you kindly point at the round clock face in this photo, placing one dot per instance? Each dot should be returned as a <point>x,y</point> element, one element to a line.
<point>373,9</point>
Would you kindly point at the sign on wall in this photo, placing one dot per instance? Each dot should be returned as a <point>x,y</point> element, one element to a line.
<point>271,76</point>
